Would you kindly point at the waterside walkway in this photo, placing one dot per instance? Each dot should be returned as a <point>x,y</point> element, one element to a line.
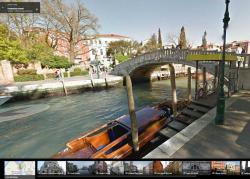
<point>36,89</point>
<point>204,139</point>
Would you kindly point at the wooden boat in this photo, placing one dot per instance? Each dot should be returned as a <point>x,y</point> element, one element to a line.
<point>4,99</point>
<point>113,140</point>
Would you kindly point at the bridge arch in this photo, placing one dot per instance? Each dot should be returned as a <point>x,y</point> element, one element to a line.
<point>140,67</point>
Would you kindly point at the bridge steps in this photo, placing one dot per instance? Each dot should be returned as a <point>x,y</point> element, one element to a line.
<point>196,107</point>
<point>203,104</point>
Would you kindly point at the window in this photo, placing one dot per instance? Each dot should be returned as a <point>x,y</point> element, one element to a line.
<point>101,51</point>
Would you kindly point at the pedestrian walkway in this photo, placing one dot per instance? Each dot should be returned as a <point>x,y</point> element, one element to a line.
<point>204,139</point>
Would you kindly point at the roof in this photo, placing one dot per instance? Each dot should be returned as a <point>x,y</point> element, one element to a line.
<point>111,36</point>
<point>144,117</point>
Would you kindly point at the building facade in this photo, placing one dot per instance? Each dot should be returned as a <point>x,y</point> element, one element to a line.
<point>99,46</point>
<point>174,167</point>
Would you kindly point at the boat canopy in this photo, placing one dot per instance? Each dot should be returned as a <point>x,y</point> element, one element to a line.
<point>144,117</point>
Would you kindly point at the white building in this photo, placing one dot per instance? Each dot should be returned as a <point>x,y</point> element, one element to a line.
<point>99,47</point>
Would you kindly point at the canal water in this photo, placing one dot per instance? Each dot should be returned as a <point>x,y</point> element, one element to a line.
<point>44,134</point>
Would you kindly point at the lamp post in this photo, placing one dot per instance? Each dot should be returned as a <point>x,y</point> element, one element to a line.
<point>219,119</point>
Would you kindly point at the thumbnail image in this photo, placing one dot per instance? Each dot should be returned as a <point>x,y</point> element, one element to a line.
<point>225,167</point>
<point>99,167</point>
<point>173,167</point>
<point>196,167</point>
<point>79,167</point>
<point>116,167</point>
<point>19,168</point>
<point>51,167</point>
<point>245,167</point>
<point>138,167</point>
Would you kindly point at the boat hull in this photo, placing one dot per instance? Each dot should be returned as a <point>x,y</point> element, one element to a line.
<point>4,99</point>
<point>101,143</point>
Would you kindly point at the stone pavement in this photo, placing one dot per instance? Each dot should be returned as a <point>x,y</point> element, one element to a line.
<point>204,139</point>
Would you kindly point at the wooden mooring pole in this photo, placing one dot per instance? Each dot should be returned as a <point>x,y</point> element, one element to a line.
<point>189,84</point>
<point>131,107</point>
<point>173,86</point>
<point>196,81</point>
<point>62,80</point>
<point>205,80</point>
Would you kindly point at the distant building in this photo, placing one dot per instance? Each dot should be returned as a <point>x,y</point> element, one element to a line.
<point>99,46</point>
<point>196,167</point>
<point>235,44</point>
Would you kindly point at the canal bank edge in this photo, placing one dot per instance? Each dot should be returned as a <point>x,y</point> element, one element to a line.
<point>49,89</point>
<point>172,145</point>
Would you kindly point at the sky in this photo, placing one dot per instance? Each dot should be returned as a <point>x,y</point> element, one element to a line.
<point>139,19</point>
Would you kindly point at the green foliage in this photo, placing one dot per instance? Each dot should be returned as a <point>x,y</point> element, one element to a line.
<point>151,45</point>
<point>43,53</point>
<point>121,58</point>
<point>26,72</point>
<point>182,39</point>
<point>57,62</point>
<point>23,78</point>
<point>50,75</point>
<point>78,72</point>
<point>10,48</point>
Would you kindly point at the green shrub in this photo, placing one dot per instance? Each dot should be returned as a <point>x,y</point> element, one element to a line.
<point>27,72</point>
<point>78,73</point>
<point>79,70</point>
<point>50,75</point>
<point>27,77</point>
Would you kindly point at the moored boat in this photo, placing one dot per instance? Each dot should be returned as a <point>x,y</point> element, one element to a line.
<point>4,99</point>
<point>113,140</point>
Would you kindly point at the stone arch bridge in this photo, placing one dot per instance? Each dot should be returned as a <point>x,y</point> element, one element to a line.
<point>140,68</point>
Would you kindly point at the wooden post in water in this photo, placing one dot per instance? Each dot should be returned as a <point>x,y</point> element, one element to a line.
<point>131,107</point>
<point>106,81</point>
<point>189,84</point>
<point>196,81</point>
<point>91,78</point>
<point>62,80</point>
<point>173,86</point>
<point>204,78</point>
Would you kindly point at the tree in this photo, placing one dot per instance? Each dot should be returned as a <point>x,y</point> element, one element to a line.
<point>10,48</point>
<point>73,20</point>
<point>182,39</point>
<point>45,54</point>
<point>159,39</point>
<point>151,45</point>
<point>125,48</point>
<point>20,24</point>
<point>204,41</point>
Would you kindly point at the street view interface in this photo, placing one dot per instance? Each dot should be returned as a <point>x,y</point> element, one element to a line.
<point>130,88</point>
